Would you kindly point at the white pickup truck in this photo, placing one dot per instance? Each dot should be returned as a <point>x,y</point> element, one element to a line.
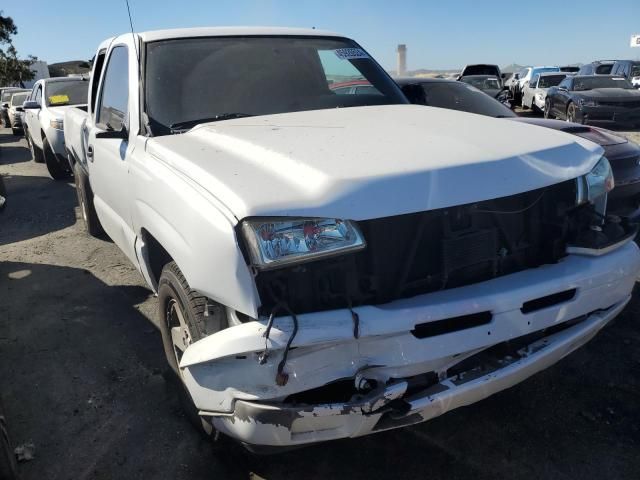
<point>332,265</point>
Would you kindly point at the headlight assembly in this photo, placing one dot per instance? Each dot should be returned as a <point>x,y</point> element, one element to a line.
<point>57,123</point>
<point>593,186</point>
<point>274,242</point>
<point>588,103</point>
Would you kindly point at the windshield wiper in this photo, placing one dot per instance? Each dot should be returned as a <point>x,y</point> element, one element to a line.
<point>189,124</point>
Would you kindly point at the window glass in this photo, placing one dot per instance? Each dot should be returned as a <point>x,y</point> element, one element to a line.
<point>114,101</point>
<point>463,97</point>
<point>566,83</point>
<point>68,92</point>
<point>534,81</point>
<point>39,95</point>
<point>550,80</point>
<point>604,69</point>
<point>18,99</point>
<point>97,72</point>
<point>589,83</point>
<point>196,80</point>
<point>635,70</point>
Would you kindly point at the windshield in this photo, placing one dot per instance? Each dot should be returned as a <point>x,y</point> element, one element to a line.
<point>550,81</point>
<point>216,78</point>
<point>72,92</point>
<point>6,96</point>
<point>463,97</point>
<point>538,71</point>
<point>18,99</point>
<point>483,83</point>
<point>589,83</point>
<point>481,70</point>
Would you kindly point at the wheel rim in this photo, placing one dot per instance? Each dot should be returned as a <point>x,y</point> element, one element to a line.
<point>178,329</point>
<point>571,114</point>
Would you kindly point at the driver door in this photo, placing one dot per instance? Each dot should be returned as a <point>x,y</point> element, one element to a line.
<point>107,155</point>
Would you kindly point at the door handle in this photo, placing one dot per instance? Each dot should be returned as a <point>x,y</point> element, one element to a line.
<point>90,152</point>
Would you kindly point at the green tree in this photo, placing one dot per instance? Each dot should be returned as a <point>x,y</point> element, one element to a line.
<point>13,70</point>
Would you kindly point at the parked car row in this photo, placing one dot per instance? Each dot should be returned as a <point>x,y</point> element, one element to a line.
<point>39,115</point>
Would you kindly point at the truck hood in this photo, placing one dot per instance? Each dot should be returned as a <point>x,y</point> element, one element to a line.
<point>369,162</point>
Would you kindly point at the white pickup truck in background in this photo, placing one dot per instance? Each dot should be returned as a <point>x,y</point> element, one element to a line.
<point>332,265</point>
<point>43,120</point>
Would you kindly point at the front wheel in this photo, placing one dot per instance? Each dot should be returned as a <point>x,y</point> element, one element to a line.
<point>57,169</point>
<point>183,321</point>
<point>547,109</point>
<point>36,153</point>
<point>572,115</point>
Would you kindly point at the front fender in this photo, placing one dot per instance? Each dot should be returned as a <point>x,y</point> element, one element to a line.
<point>198,236</point>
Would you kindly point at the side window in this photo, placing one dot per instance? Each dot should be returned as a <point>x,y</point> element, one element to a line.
<point>566,83</point>
<point>534,81</point>
<point>114,99</point>
<point>38,97</point>
<point>97,72</point>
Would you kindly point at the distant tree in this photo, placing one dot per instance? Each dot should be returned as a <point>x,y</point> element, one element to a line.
<point>12,69</point>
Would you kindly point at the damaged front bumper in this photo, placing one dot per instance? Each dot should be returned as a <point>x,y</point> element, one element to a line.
<point>413,360</point>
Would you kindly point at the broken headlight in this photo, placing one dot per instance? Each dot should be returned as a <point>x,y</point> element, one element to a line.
<point>593,186</point>
<point>273,242</point>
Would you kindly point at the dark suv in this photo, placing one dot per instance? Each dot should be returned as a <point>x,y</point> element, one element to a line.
<point>599,67</point>
<point>630,69</point>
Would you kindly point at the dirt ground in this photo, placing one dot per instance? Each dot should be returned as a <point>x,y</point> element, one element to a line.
<point>81,367</point>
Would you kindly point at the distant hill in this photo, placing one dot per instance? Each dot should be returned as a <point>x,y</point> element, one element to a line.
<point>62,69</point>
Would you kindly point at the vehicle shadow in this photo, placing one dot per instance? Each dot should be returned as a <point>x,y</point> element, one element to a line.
<point>11,154</point>
<point>35,206</point>
<point>81,375</point>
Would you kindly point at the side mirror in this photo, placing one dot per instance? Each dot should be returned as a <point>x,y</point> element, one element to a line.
<point>414,93</point>
<point>31,105</point>
<point>19,109</point>
<point>121,134</point>
<point>516,76</point>
<point>5,105</point>
<point>503,76</point>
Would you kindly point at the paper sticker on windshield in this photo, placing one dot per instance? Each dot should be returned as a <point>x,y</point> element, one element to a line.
<point>350,53</point>
<point>58,99</point>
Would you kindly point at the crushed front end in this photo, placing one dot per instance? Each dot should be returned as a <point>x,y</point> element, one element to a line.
<point>441,309</point>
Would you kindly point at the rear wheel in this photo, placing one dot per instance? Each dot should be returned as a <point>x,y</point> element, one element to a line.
<point>57,169</point>
<point>182,322</point>
<point>36,153</point>
<point>85,201</point>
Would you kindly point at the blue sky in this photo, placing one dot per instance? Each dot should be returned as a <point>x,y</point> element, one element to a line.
<point>439,34</point>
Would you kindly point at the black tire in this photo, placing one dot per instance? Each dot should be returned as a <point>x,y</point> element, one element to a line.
<point>547,109</point>
<point>85,201</point>
<point>182,314</point>
<point>8,467</point>
<point>571,114</point>
<point>57,169</point>
<point>36,153</point>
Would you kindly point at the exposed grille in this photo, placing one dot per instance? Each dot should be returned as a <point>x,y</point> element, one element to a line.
<point>412,254</point>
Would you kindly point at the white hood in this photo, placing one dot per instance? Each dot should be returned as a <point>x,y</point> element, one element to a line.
<point>370,162</point>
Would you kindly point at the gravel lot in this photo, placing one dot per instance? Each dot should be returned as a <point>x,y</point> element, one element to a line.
<point>81,366</point>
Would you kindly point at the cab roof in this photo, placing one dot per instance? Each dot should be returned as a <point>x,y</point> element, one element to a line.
<point>156,35</point>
